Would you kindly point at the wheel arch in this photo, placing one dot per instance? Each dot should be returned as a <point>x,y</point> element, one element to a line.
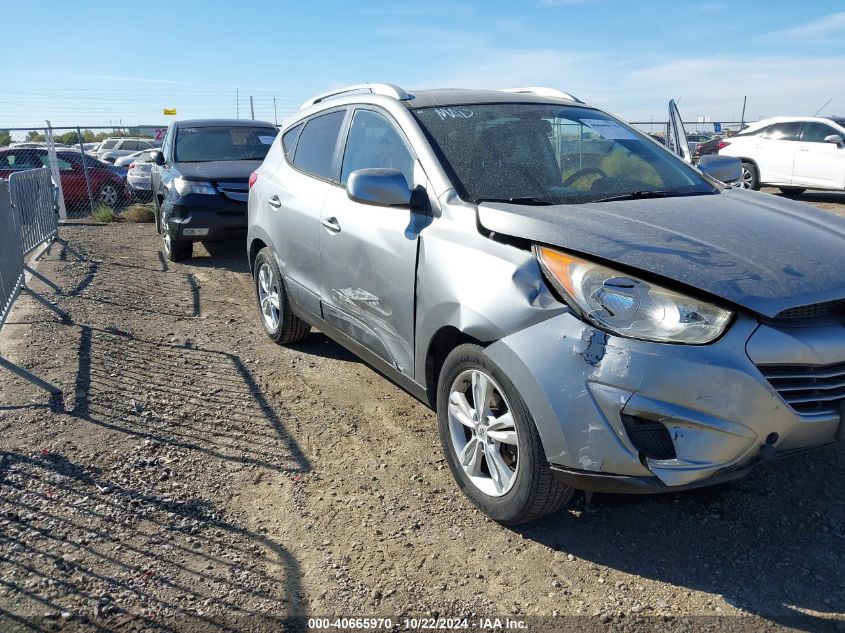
<point>440,346</point>
<point>255,246</point>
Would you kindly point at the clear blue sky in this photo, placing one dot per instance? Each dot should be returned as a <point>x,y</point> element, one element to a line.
<point>96,62</point>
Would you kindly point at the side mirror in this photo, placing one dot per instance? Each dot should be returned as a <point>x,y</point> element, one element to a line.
<point>157,157</point>
<point>835,139</point>
<point>725,168</point>
<point>379,187</point>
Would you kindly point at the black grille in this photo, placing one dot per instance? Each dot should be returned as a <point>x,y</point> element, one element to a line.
<point>816,311</point>
<point>650,438</point>
<point>809,389</point>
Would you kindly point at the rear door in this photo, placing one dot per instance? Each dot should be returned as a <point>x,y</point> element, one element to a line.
<point>368,254</point>
<point>818,163</point>
<point>774,152</point>
<point>296,192</point>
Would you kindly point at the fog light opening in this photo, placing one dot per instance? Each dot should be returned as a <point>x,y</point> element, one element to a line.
<point>650,438</point>
<point>767,451</point>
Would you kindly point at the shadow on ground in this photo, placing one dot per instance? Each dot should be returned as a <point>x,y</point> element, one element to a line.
<point>82,548</point>
<point>771,544</point>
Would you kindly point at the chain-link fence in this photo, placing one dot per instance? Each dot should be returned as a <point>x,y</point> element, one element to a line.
<point>92,167</point>
<point>703,137</point>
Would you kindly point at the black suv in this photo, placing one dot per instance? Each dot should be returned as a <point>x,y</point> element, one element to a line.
<point>200,180</point>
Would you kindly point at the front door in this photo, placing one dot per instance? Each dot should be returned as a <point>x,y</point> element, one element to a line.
<point>368,254</point>
<point>817,162</point>
<point>676,138</point>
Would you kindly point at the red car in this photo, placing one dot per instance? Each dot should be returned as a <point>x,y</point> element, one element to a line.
<point>107,185</point>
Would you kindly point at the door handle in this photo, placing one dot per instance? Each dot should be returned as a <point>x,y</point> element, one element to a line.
<point>331,224</point>
<point>803,149</point>
<point>275,202</point>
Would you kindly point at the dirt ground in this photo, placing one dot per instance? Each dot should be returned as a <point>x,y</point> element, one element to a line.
<point>195,477</point>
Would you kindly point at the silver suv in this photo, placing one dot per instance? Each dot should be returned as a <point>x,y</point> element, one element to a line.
<point>584,309</point>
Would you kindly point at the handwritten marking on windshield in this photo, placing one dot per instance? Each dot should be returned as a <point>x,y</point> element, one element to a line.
<point>453,113</point>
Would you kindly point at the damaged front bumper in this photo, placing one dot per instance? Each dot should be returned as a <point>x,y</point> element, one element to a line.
<point>622,415</point>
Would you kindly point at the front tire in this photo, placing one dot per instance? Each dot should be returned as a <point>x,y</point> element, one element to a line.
<point>792,191</point>
<point>494,451</point>
<point>280,323</point>
<point>750,176</point>
<point>175,250</point>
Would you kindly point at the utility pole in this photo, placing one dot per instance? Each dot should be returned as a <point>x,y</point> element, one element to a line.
<point>251,108</point>
<point>742,118</point>
<point>237,105</point>
<point>275,116</point>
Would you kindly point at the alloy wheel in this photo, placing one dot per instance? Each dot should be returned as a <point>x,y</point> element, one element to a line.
<point>747,178</point>
<point>268,296</point>
<point>483,432</point>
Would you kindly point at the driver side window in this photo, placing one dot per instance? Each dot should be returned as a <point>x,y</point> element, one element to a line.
<point>374,142</point>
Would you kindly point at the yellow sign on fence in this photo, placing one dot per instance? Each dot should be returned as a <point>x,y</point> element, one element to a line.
<point>170,111</point>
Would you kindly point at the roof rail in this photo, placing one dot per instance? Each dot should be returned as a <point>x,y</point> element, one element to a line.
<point>388,90</point>
<point>544,92</point>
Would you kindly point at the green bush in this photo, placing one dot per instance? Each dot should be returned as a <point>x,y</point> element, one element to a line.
<point>104,214</point>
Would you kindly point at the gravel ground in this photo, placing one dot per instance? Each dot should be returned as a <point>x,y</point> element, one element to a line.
<point>197,477</point>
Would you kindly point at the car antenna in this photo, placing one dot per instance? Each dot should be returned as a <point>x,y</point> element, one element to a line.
<point>823,107</point>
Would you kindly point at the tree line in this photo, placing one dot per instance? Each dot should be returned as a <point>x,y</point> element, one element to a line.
<point>71,137</point>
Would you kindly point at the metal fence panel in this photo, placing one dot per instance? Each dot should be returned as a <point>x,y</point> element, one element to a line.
<point>34,207</point>
<point>11,255</point>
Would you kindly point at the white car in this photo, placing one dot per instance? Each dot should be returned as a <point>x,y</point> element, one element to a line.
<point>138,176</point>
<point>791,153</point>
<point>113,148</point>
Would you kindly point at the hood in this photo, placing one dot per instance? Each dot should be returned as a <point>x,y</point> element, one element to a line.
<point>758,251</point>
<point>229,170</point>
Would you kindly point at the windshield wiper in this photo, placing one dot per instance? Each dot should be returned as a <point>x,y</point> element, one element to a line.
<point>652,193</point>
<point>517,200</point>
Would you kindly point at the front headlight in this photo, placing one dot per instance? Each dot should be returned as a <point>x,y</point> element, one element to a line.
<point>184,187</point>
<point>627,306</point>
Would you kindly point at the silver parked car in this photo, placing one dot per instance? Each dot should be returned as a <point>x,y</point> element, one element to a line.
<point>113,148</point>
<point>597,316</point>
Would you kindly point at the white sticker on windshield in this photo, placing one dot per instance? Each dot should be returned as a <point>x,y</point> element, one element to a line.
<point>609,129</point>
<point>267,140</point>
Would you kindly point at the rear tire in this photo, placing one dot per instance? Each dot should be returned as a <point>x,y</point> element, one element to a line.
<point>750,176</point>
<point>109,195</point>
<point>280,323</point>
<point>532,492</point>
<point>792,191</point>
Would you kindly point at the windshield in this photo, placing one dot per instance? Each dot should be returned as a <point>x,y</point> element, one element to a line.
<point>108,144</point>
<point>206,144</point>
<point>551,154</point>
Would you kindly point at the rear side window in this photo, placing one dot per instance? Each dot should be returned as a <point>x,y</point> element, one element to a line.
<point>783,131</point>
<point>816,132</point>
<point>20,160</point>
<point>374,142</point>
<point>289,140</point>
<point>315,149</point>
